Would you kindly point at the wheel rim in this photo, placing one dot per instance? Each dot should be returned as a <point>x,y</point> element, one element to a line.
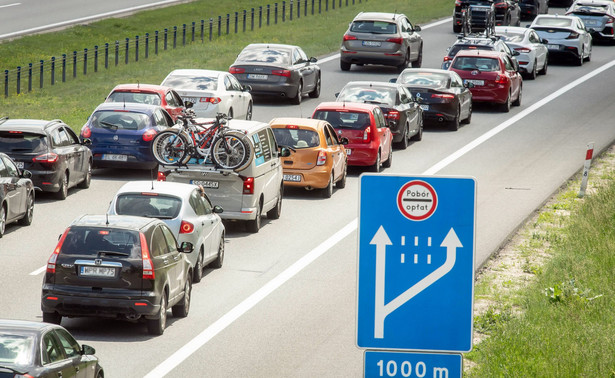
<point>230,152</point>
<point>2,220</point>
<point>64,187</point>
<point>187,295</point>
<point>88,174</point>
<point>249,112</point>
<point>221,250</point>
<point>30,211</point>
<point>199,265</point>
<point>163,313</point>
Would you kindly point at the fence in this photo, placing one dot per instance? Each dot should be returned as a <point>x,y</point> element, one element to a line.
<point>23,78</point>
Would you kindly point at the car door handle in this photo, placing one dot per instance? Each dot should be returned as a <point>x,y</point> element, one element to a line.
<point>166,261</point>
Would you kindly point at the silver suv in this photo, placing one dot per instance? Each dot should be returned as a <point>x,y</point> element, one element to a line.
<point>381,38</point>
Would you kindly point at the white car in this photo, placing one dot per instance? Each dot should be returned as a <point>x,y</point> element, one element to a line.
<point>186,209</point>
<point>533,55</point>
<point>564,36</point>
<point>211,92</point>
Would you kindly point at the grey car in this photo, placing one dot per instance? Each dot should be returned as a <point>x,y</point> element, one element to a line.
<point>381,38</point>
<point>279,70</point>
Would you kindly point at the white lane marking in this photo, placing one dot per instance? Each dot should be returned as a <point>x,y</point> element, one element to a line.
<point>84,19</point>
<point>227,319</point>
<point>39,270</point>
<point>9,5</point>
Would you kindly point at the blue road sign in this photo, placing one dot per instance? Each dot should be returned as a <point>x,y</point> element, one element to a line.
<point>407,364</point>
<point>416,262</point>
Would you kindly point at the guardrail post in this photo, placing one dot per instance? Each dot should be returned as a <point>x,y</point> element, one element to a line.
<point>106,55</point>
<point>6,83</point>
<point>260,17</point>
<point>211,27</point>
<point>156,42</point>
<point>166,38</point>
<point>63,68</point>
<point>298,8</point>
<point>252,19</point>
<point>40,73</point>
<point>327,5</point>
<point>236,22</point>
<point>29,77</point>
<point>53,70</point>
<point>290,14</point>
<point>228,23</point>
<point>219,26</point>
<point>184,35</point>
<point>283,11</point>
<point>74,64</point>
<point>174,37</point>
<point>117,52</point>
<point>332,4</point>
<point>96,58</point>
<point>136,48</point>
<point>202,30</point>
<point>275,13</point>
<point>18,79</point>
<point>85,62</point>
<point>193,30</point>
<point>245,17</point>
<point>126,51</point>
<point>268,13</point>
<point>305,7</point>
<point>146,45</point>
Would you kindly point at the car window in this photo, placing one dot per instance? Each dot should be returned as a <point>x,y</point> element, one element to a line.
<point>471,63</point>
<point>159,206</point>
<point>329,137</point>
<point>236,85</point>
<point>197,204</point>
<point>374,27</point>
<point>51,350</point>
<point>297,57</point>
<point>512,37</point>
<point>262,147</point>
<point>424,79</point>
<point>10,168</point>
<point>404,96</point>
<point>407,25</point>
<point>369,94</point>
<point>456,80</point>
<point>379,118</point>
<point>227,84</point>
<point>16,349</point>
<point>137,97</point>
<point>302,54</point>
<point>177,98</point>
<point>92,240</point>
<point>3,171</point>
<point>508,64</point>
<point>159,245</point>
<point>58,138</point>
<point>69,344</point>
<point>72,137</point>
<point>344,119</point>
<point>553,21</point>
<point>264,55</point>
<point>114,120</point>
<point>196,82</point>
<point>169,238</point>
<point>22,142</point>
<point>296,138</point>
<point>170,99</point>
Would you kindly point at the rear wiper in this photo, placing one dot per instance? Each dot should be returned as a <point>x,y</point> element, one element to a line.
<point>372,102</point>
<point>289,147</point>
<point>11,369</point>
<point>112,253</point>
<point>108,125</point>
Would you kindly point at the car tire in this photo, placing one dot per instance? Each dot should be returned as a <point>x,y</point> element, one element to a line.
<point>315,93</point>
<point>157,326</point>
<point>419,135</point>
<point>52,318</point>
<point>27,218</point>
<point>297,99</point>
<point>327,192</point>
<point>580,60</point>
<point>543,71</point>
<point>2,219</point>
<point>87,180</point>
<point>341,184</point>
<point>456,28</point>
<point>532,75</point>
<point>63,192</point>
<point>405,63</point>
<point>403,143</point>
<point>254,225</point>
<point>217,263</point>
<point>419,60</point>
<point>182,308</point>
<point>505,107</point>
<point>454,124</point>
<point>377,164</point>
<point>345,66</point>
<point>197,274</point>
<point>249,111</point>
<point>589,55</point>
<point>389,161</point>
<point>469,117</point>
<point>517,102</point>
<point>277,210</point>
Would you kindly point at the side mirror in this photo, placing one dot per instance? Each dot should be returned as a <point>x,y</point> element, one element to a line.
<point>545,41</point>
<point>344,141</point>
<point>26,174</point>
<point>218,209</point>
<point>284,152</point>
<point>186,247</point>
<point>87,142</point>
<point>246,88</point>
<point>393,80</point>
<point>313,60</point>
<point>468,84</point>
<point>87,350</point>
<point>337,94</point>
<point>188,104</point>
<point>516,53</point>
<point>591,30</point>
<point>516,65</point>
<point>417,28</point>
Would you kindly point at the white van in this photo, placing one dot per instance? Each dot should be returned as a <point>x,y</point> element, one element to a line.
<point>244,195</point>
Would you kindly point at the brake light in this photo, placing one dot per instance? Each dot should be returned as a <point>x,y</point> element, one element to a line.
<point>501,5</point>
<point>392,115</point>
<point>523,49</point>
<point>285,73</point>
<point>349,37</point>
<point>398,41</point>
<point>161,176</point>
<point>367,134</point>
<point>293,127</point>
<point>211,100</point>
<point>447,58</point>
<point>501,79</point>
<point>235,70</point>
<point>15,132</point>
<point>186,228</point>
<point>51,263</point>
<point>610,20</point>
<point>248,185</point>
<point>46,158</point>
<point>86,132</point>
<point>445,96</point>
<point>148,266</point>
<point>149,135</point>
<point>457,3</point>
<point>573,35</point>
<point>322,158</point>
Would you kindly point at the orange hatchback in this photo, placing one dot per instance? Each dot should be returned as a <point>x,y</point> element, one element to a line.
<point>318,159</point>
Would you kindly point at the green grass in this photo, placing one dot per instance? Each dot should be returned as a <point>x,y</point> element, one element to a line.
<point>74,100</point>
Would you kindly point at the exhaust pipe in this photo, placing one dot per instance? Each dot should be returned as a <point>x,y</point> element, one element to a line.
<point>440,119</point>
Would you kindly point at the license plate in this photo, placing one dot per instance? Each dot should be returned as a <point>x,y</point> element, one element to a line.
<point>553,47</point>
<point>476,82</point>
<point>293,178</point>
<point>19,164</point>
<point>115,157</point>
<point>348,151</point>
<point>193,100</point>
<point>206,184</point>
<point>592,23</point>
<point>371,43</point>
<point>257,76</point>
<point>424,107</point>
<point>97,271</point>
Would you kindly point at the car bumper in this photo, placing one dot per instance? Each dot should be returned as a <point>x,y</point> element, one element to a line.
<point>131,162</point>
<point>277,89</point>
<point>362,155</point>
<point>317,178</point>
<point>363,57</point>
<point>496,95</point>
<point>47,181</point>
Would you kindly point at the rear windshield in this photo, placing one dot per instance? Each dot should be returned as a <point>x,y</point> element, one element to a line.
<point>370,95</point>
<point>138,97</point>
<point>553,21</point>
<point>425,79</point>
<point>16,350</point>
<point>456,48</point>
<point>589,9</point>
<point>114,120</point>
<point>22,142</point>
<point>192,83</point>
<point>471,63</point>
<point>296,138</point>
<point>344,120</point>
<point>94,240</point>
<point>264,55</point>
<point>512,37</point>
<point>375,27</point>
<point>163,207</point>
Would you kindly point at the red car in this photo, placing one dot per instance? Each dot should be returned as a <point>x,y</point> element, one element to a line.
<point>369,139</point>
<point>149,94</point>
<point>492,77</point>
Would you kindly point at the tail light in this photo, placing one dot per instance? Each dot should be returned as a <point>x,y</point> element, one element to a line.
<point>398,41</point>
<point>523,49</point>
<point>610,20</point>
<point>46,158</point>
<point>523,63</point>
<point>573,35</point>
<point>248,185</point>
<point>235,70</point>
<point>501,79</point>
<point>367,135</point>
<point>186,227</point>
<point>349,37</point>
<point>447,58</point>
<point>211,100</point>
<point>149,135</point>
<point>86,132</point>
<point>443,96</point>
<point>161,176</point>
<point>322,158</point>
<point>51,263</point>
<point>457,3</point>
<point>392,115</point>
<point>148,266</point>
<point>501,5</point>
<point>285,73</point>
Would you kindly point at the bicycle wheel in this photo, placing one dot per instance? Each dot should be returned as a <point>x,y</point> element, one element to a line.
<point>170,148</point>
<point>232,150</point>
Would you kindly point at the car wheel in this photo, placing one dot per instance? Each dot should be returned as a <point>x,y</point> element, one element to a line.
<point>52,317</point>
<point>454,124</point>
<point>315,93</point>
<point>157,326</point>
<point>341,184</point>
<point>589,55</point>
<point>254,225</point>
<point>403,143</point>
<point>277,210</point>
<point>27,218</point>
<point>505,107</point>
<point>197,275</point>
<point>328,191</point>
<point>297,99</point>
<point>376,166</point>
<point>404,65</point>
<point>2,220</point>
<point>217,263</point>
<point>88,177</point>
<point>182,308</point>
<point>419,60</point>
<point>230,113</point>
<point>580,60</point>
<point>544,68</point>
<point>389,161</point>
<point>249,111</point>
<point>517,102</point>
<point>345,66</point>
<point>532,75</point>
<point>419,135</point>
<point>63,192</point>
<point>469,118</point>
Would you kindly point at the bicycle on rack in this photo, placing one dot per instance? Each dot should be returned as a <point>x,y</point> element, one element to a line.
<point>207,142</point>
<point>477,14</point>
<point>466,18</point>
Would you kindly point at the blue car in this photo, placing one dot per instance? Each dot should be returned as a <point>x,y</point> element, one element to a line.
<point>121,134</point>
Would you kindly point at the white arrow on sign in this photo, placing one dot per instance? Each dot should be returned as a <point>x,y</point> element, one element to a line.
<point>382,310</point>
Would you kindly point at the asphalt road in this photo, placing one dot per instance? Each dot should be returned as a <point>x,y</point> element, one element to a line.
<point>283,304</point>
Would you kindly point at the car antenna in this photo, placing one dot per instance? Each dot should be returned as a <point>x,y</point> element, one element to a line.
<point>107,219</point>
<point>152,174</point>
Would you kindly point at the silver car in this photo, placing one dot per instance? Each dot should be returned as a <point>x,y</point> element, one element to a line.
<point>533,55</point>
<point>381,38</point>
<point>186,209</point>
<point>565,37</point>
<point>598,16</point>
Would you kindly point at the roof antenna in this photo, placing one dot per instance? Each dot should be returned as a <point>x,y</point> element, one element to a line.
<point>107,218</point>
<point>152,174</point>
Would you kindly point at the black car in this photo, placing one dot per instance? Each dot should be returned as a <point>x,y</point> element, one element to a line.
<point>51,150</point>
<point>441,93</point>
<point>532,8</point>
<point>118,266</point>
<point>33,349</point>
<point>403,115</point>
<point>16,194</point>
<point>506,12</point>
<point>279,70</point>
<point>477,42</point>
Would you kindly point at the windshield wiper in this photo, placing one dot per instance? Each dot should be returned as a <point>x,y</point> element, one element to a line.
<point>112,253</point>
<point>108,125</point>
